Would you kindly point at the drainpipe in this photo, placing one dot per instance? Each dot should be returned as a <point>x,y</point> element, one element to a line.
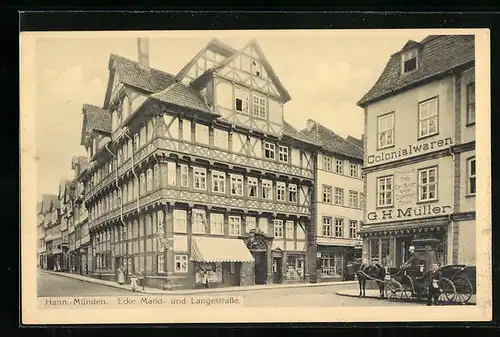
<point>450,218</point>
<point>121,207</point>
<point>138,199</point>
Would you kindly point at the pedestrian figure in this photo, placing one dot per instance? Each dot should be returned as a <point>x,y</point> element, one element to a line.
<point>133,282</point>
<point>141,278</point>
<point>205,279</point>
<point>434,289</point>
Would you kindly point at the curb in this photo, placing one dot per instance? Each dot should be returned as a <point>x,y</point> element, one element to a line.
<point>206,291</point>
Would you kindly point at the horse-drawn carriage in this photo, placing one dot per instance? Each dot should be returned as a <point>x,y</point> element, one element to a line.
<point>454,280</point>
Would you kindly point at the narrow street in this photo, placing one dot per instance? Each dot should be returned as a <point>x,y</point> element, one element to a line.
<point>321,296</point>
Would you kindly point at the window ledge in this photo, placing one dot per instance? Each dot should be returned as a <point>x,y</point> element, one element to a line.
<point>427,136</point>
<point>470,195</point>
<point>385,147</point>
<point>384,206</point>
<point>470,124</point>
<point>428,201</point>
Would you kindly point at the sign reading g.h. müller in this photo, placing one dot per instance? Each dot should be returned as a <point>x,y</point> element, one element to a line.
<point>409,212</point>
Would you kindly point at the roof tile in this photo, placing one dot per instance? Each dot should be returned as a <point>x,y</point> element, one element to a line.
<point>98,119</point>
<point>184,96</point>
<point>439,54</point>
<point>292,132</point>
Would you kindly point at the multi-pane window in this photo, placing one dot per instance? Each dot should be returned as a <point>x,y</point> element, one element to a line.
<point>339,166</point>
<point>427,184</point>
<point>353,232</point>
<point>216,223</point>
<point>161,263</point>
<point>327,163</point>
<point>283,154</point>
<point>199,221</point>
<point>252,187</point>
<point>292,193</point>
<point>181,263</point>
<point>149,180</point>
<point>259,106</point>
<point>339,226</point>
<point>234,225</point>
<point>428,117</point>
<point>236,184</point>
<point>184,175</point>
<point>384,191</point>
<point>218,182</point>
<point>353,199</point>
<point>160,222</point>
<point>289,229</point>
<point>278,228</point>
<point>241,101</point>
<point>200,178</point>
<point>327,194</point>
<point>353,170</point>
<point>339,196</point>
<point>471,103</point>
<point>136,142</point>
<point>267,189</point>
<point>142,184</point>
<point>269,150</point>
<point>156,175</point>
<point>172,176</point>
<point>385,132</point>
<point>280,191</point>
<point>327,226</point>
<point>471,176</point>
<point>180,221</point>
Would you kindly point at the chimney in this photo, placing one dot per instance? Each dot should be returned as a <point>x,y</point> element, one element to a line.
<point>143,51</point>
<point>310,124</point>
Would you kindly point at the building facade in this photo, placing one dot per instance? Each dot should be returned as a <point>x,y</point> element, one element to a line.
<point>41,245</point>
<point>52,225</point>
<point>419,163</point>
<point>338,207</point>
<point>197,175</point>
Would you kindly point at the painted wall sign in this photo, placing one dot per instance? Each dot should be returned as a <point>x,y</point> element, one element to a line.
<point>410,150</point>
<point>409,212</point>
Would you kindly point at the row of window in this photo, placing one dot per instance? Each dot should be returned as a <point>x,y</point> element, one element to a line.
<point>334,227</point>
<point>428,115</point>
<point>427,184</point>
<point>339,167</point>
<point>355,198</point>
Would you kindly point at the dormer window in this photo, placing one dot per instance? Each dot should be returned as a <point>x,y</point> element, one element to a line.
<point>409,61</point>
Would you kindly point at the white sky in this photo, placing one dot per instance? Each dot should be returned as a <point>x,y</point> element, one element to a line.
<point>325,72</point>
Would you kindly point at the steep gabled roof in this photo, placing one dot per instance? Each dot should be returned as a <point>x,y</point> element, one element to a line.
<point>270,71</point>
<point>183,96</point>
<point>95,119</point>
<point>355,141</point>
<point>290,131</point>
<point>332,142</point>
<point>438,55</point>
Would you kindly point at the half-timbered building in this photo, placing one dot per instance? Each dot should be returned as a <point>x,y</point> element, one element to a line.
<point>197,175</point>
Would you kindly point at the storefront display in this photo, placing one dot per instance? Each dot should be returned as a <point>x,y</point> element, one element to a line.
<point>294,267</point>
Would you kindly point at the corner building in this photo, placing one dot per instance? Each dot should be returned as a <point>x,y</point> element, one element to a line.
<point>198,172</point>
<point>420,167</point>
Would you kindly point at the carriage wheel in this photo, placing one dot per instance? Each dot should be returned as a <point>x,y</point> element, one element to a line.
<point>448,290</point>
<point>393,290</point>
<point>407,289</point>
<point>463,289</point>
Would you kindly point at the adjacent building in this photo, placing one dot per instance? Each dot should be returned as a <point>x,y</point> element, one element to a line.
<point>338,201</point>
<point>40,229</point>
<point>198,174</point>
<point>52,225</point>
<point>419,160</point>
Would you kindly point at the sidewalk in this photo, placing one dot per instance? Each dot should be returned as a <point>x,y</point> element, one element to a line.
<point>149,290</point>
<point>374,293</point>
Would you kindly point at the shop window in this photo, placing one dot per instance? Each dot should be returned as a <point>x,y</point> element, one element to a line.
<point>385,132</point>
<point>471,176</point>
<point>294,267</point>
<point>384,191</point>
<point>331,265</point>
<point>428,117</point>
<point>427,184</point>
<point>252,187</point>
<point>278,228</point>
<point>327,194</point>
<point>218,182</point>
<point>327,163</point>
<point>181,263</point>
<point>374,253</point>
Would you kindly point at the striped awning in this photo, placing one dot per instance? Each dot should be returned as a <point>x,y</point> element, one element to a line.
<point>209,249</point>
<point>402,228</point>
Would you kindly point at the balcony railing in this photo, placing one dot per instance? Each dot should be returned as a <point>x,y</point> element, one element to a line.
<point>205,152</point>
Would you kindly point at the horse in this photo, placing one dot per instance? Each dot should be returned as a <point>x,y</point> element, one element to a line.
<point>367,272</point>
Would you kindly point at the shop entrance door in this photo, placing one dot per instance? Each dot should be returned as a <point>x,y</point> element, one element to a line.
<point>277,269</point>
<point>260,267</point>
<point>235,273</point>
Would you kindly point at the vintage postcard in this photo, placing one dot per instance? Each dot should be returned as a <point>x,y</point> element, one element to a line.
<point>255,176</point>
